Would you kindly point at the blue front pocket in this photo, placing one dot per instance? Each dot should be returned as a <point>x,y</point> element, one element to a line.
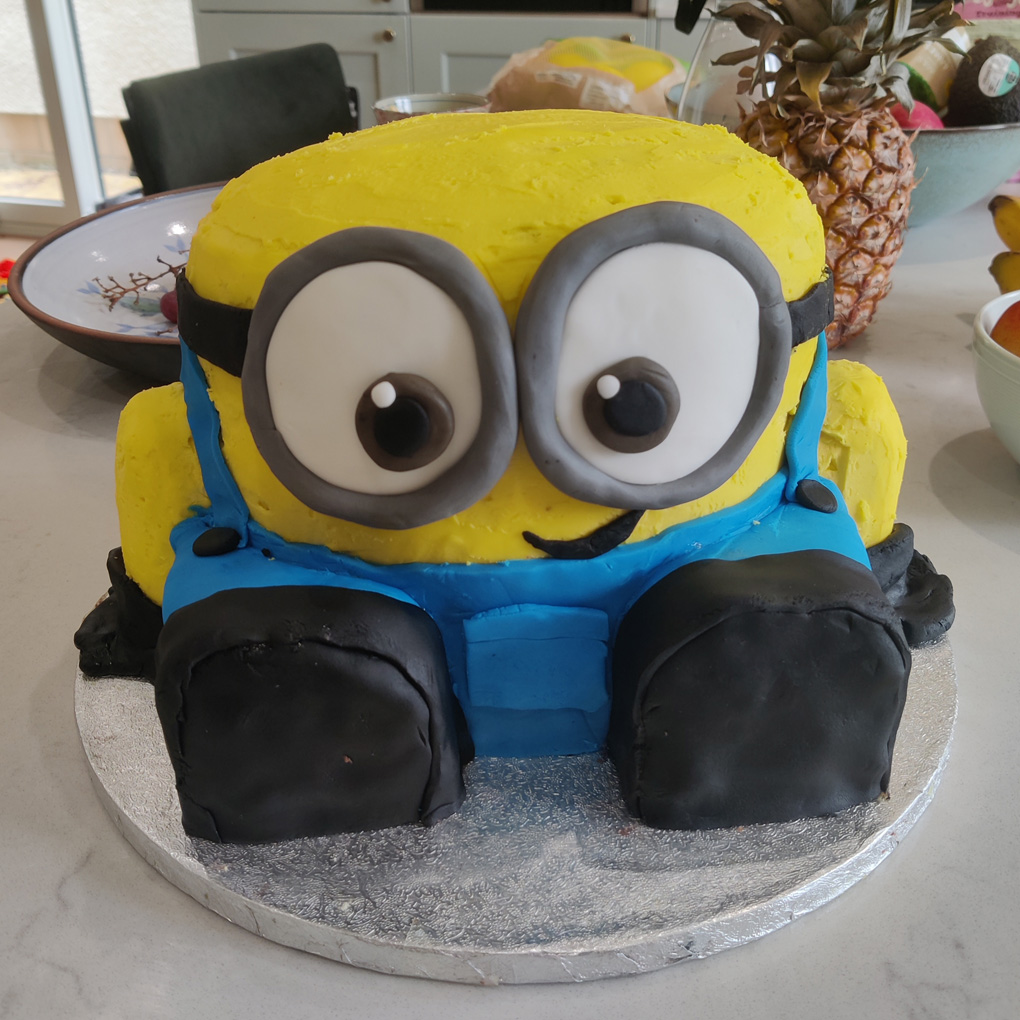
<point>537,680</point>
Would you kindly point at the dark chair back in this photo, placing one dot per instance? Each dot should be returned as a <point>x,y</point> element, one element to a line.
<point>212,123</point>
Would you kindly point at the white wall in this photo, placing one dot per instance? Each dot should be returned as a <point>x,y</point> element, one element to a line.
<point>121,40</point>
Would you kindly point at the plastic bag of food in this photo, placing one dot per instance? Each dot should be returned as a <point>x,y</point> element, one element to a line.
<point>587,73</point>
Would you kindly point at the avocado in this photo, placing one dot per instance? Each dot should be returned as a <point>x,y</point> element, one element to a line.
<point>985,90</point>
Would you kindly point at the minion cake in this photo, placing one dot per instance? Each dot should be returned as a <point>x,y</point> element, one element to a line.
<point>508,435</point>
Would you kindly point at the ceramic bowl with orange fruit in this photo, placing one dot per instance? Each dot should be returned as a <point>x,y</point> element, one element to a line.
<point>997,366</point>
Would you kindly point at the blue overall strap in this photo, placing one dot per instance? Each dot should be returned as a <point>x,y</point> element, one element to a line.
<point>229,509</point>
<point>806,428</point>
<point>261,558</point>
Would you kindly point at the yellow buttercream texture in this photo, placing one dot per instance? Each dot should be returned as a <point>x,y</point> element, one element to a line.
<point>158,480</point>
<point>503,188</point>
<point>863,448</point>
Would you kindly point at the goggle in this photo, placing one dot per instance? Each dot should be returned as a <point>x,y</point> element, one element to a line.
<point>382,385</point>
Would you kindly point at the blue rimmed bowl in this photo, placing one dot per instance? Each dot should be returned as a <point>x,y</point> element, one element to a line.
<point>958,166</point>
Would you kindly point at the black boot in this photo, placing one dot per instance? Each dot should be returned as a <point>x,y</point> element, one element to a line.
<point>760,690</point>
<point>922,597</point>
<point>118,638</point>
<point>301,711</point>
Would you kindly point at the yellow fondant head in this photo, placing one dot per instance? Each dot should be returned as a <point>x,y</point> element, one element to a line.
<point>504,190</point>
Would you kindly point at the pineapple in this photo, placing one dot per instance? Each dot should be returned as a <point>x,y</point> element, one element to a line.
<point>828,70</point>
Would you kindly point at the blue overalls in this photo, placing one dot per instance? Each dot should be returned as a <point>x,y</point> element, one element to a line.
<point>527,641</point>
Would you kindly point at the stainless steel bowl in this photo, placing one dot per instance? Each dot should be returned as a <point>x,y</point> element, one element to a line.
<point>419,103</point>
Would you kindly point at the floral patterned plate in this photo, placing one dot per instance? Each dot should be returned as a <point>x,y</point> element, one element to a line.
<point>96,284</point>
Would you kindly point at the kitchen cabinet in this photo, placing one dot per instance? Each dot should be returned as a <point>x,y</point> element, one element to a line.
<point>303,6</point>
<point>374,48</point>
<point>461,53</point>
<point>671,40</point>
<point>386,49</point>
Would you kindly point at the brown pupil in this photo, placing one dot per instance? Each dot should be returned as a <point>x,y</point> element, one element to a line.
<point>637,409</point>
<point>403,428</point>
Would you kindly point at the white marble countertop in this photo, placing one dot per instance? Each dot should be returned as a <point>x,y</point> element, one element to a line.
<point>91,931</point>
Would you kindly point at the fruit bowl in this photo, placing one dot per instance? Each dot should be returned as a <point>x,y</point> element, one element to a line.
<point>958,166</point>
<point>95,284</point>
<point>997,373</point>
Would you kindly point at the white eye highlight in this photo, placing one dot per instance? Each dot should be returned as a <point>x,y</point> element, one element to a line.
<point>383,394</point>
<point>691,315</point>
<point>337,341</point>
<point>608,386</point>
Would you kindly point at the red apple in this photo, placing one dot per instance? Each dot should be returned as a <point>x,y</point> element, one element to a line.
<point>921,116</point>
<point>1006,332</point>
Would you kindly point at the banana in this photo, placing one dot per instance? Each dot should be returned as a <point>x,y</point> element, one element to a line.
<point>1006,217</point>
<point>1005,268</point>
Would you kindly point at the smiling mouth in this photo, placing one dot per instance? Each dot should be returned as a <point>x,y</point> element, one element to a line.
<point>599,542</point>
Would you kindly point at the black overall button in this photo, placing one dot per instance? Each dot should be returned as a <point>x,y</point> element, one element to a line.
<point>216,542</point>
<point>812,494</point>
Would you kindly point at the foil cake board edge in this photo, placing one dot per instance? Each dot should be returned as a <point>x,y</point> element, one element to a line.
<point>594,895</point>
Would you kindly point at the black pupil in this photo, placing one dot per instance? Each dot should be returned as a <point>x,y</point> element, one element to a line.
<point>638,409</point>
<point>403,428</point>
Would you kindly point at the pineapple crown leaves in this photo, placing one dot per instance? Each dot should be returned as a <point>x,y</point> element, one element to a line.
<point>831,56</point>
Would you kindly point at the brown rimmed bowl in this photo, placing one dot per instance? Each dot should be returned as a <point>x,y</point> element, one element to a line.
<point>63,281</point>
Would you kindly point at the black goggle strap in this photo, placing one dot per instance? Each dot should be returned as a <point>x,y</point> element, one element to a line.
<point>214,331</point>
<point>810,314</point>
<point>219,332</point>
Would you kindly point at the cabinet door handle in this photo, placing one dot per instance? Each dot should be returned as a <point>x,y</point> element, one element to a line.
<point>388,35</point>
<point>627,37</point>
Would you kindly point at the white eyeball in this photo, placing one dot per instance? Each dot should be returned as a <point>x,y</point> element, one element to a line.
<point>378,340</point>
<point>378,378</point>
<point>652,345</point>
<point>657,363</point>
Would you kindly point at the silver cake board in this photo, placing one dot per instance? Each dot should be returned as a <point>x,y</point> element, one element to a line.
<point>541,877</point>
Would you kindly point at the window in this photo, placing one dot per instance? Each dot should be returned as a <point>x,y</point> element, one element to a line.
<point>62,151</point>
